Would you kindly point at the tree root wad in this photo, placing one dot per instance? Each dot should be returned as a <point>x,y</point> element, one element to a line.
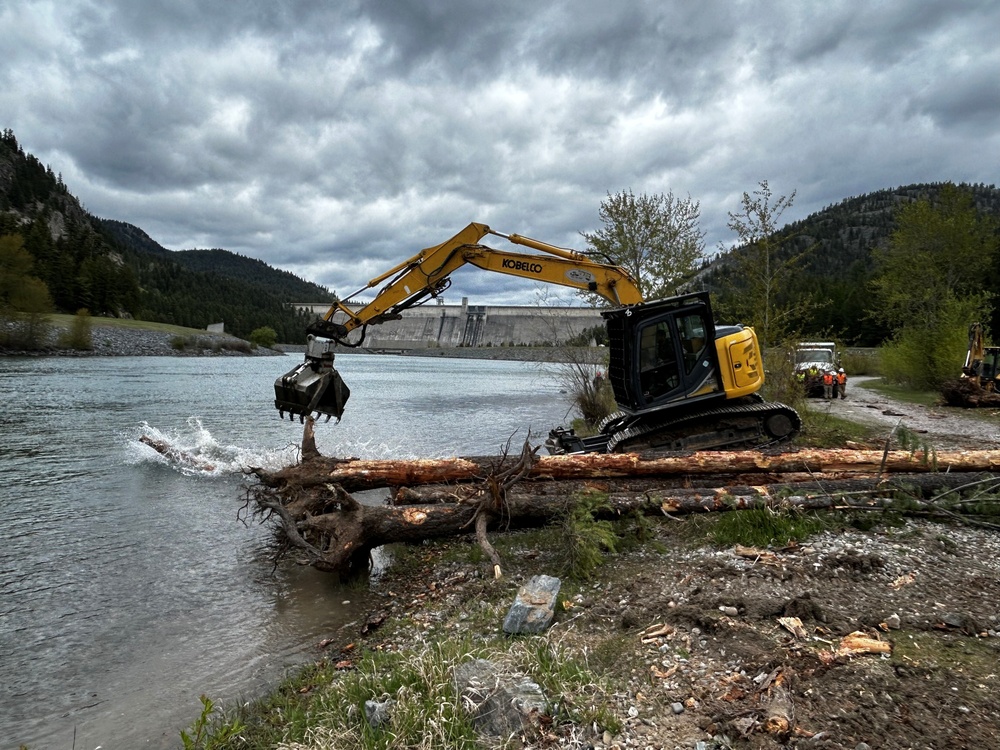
<point>325,526</point>
<point>333,532</point>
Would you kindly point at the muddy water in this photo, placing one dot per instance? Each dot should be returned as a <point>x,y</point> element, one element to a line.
<point>129,585</point>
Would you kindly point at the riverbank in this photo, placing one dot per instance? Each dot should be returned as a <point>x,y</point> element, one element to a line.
<point>678,641</point>
<point>129,338</point>
<point>681,639</point>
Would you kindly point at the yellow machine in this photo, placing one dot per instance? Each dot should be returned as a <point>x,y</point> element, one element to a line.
<point>680,381</point>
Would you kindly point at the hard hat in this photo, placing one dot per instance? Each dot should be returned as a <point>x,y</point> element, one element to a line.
<point>841,369</point>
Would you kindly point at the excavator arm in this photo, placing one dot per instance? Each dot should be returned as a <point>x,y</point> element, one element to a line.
<point>977,349</point>
<point>316,387</point>
<point>427,274</point>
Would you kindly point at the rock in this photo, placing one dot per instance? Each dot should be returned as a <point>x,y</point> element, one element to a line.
<point>892,622</point>
<point>677,707</point>
<point>378,713</point>
<point>534,607</point>
<point>500,704</point>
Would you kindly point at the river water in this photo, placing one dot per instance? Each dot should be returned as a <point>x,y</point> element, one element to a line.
<point>128,584</point>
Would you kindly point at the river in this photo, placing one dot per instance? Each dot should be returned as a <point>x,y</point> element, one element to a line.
<point>129,584</point>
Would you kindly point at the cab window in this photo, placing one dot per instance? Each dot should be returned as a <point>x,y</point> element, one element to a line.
<point>691,332</point>
<point>658,371</point>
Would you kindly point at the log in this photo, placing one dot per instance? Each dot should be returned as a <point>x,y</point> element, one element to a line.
<point>363,474</point>
<point>334,532</point>
<point>781,708</point>
<point>629,496</point>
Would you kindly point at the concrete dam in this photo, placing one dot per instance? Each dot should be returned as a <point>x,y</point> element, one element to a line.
<point>447,326</point>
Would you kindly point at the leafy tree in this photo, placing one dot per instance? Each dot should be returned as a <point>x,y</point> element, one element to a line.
<point>763,268</point>
<point>20,291</point>
<point>24,299</point>
<point>264,336</point>
<point>80,333</point>
<point>930,285</point>
<point>656,238</point>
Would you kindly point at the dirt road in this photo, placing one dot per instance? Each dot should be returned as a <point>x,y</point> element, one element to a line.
<point>944,428</point>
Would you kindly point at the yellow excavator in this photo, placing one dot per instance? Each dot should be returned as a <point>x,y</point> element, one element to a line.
<point>979,383</point>
<point>680,381</point>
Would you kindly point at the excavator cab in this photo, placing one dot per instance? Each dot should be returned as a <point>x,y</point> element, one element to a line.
<point>681,383</point>
<point>313,387</point>
<point>660,354</point>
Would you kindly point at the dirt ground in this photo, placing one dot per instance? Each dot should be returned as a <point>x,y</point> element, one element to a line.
<point>944,428</point>
<point>701,648</point>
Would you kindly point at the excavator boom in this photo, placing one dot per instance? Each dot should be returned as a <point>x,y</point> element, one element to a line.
<point>315,387</point>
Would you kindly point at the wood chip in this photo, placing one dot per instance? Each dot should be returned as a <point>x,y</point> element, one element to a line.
<point>793,625</point>
<point>753,553</point>
<point>862,643</point>
<point>903,581</point>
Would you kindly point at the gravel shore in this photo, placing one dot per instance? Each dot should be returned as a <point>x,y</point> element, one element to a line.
<point>119,341</point>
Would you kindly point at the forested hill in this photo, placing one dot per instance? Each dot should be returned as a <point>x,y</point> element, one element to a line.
<point>221,262</point>
<point>835,262</point>
<point>70,259</point>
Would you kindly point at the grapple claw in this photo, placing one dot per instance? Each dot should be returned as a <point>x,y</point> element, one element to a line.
<point>313,386</point>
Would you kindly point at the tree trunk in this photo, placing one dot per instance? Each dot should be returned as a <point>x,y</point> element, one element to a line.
<point>460,496</point>
<point>356,474</point>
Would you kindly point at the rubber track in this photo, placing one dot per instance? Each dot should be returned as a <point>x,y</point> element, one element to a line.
<point>759,411</point>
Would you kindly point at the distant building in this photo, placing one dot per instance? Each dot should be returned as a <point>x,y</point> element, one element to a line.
<point>216,328</point>
<point>444,325</point>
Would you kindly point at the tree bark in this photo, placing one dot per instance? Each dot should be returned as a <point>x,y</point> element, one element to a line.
<point>356,474</point>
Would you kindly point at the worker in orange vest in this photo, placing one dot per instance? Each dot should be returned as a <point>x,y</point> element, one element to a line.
<point>828,380</point>
<point>841,382</point>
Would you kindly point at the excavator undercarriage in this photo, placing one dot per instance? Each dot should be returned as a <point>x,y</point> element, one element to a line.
<point>754,424</point>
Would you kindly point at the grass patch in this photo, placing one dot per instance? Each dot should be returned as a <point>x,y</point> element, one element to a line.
<point>823,429</point>
<point>764,527</point>
<point>66,321</point>
<point>927,650</point>
<point>323,706</point>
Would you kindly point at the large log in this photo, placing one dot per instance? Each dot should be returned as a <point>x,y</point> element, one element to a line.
<point>365,474</point>
<point>334,532</point>
<point>656,497</point>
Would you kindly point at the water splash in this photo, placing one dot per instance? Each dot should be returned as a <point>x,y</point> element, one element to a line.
<point>194,451</point>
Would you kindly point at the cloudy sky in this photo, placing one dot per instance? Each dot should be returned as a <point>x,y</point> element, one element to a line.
<point>335,139</point>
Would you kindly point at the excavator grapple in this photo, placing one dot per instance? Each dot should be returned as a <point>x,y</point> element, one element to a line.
<point>313,387</point>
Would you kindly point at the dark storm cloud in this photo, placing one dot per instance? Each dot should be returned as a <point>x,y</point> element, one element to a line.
<point>335,139</point>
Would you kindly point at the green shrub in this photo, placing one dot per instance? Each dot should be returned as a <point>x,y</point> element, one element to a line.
<point>24,331</point>
<point>584,541</point>
<point>780,384</point>
<point>79,334</point>
<point>264,336</point>
<point>858,362</point>
<point>924,356</point>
